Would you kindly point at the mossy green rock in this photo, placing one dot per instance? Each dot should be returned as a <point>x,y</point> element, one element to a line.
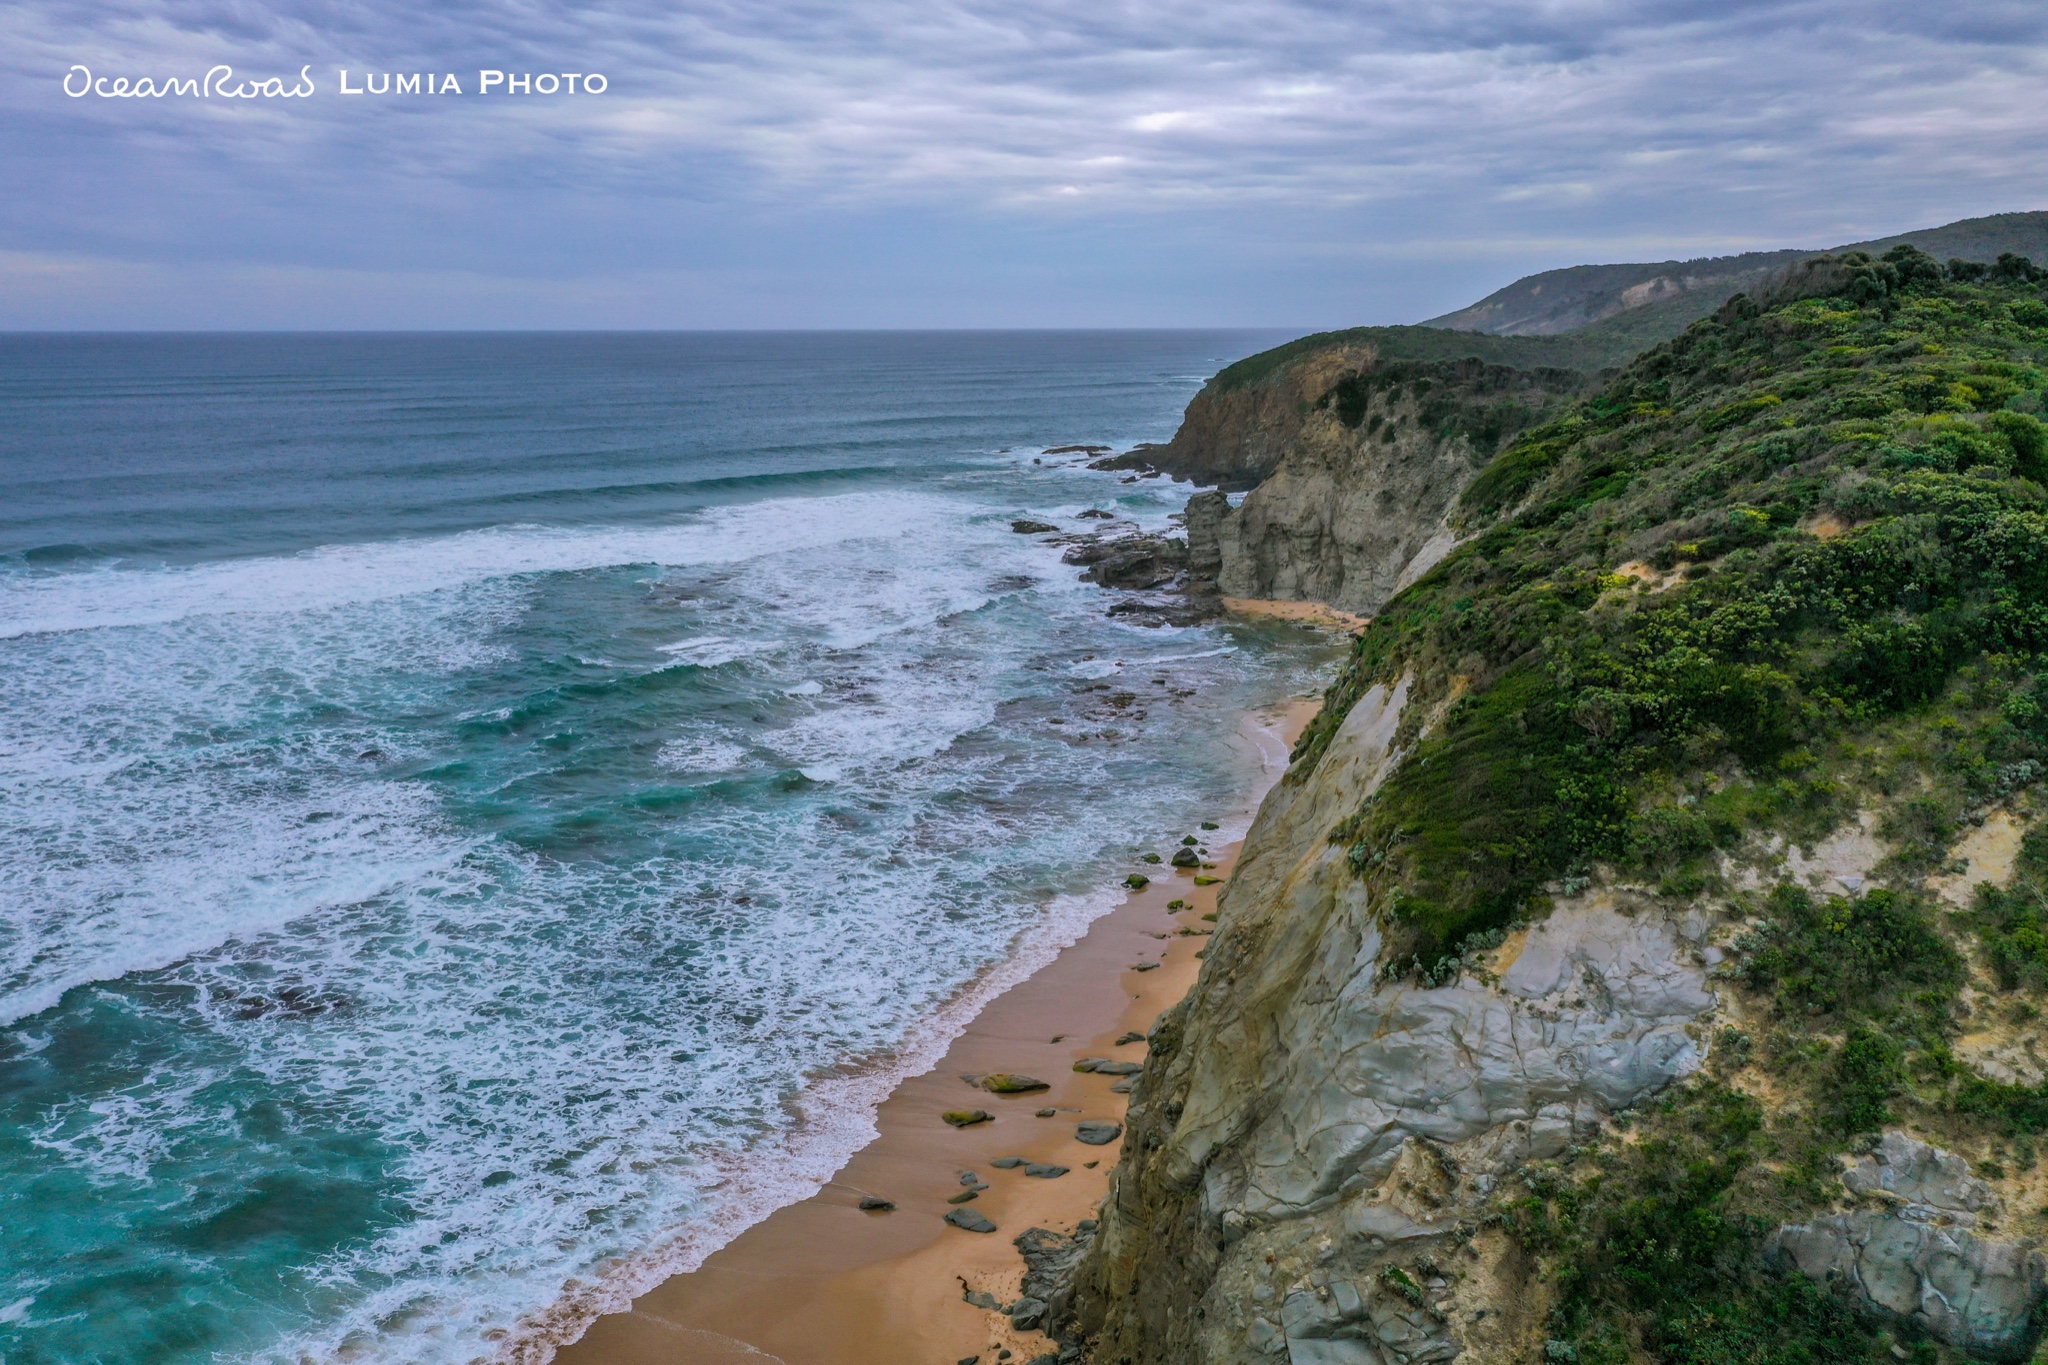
<point>966,1118</point>
<point>1012,1083</point>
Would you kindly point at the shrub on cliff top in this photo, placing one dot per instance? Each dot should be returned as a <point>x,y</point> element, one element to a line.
<point>1829,510</point>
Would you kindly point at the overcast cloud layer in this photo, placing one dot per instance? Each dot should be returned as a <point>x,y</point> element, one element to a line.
<point>1011,162</point>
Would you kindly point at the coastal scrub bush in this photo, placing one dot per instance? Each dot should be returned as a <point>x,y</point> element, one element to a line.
<point>1787,570</point>
<point>2012,922</point>
<point>1658,1253</point>
<point>1831,514</point>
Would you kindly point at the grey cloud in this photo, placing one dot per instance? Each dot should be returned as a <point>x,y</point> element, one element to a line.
<point>1346,134</point>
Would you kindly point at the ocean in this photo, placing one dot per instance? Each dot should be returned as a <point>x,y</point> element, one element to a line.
<point>485,817</point>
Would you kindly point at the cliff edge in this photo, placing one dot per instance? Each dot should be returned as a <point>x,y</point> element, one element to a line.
<point>1642,961</point>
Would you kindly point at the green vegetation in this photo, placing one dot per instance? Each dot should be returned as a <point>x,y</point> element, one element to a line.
<point>1746,672</point>
<point>1660,1251</point>
<point>1563,299</point>
<point>2012,923</point>
<point>1484,404</point>
<point>1568,352</point>
<point>1614,341</point>
<point>1788,570</point>
<point>1660,1236</point>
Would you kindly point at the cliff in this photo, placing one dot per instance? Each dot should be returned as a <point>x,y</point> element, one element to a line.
<point>1642,960</point>
<point>1374,455</point>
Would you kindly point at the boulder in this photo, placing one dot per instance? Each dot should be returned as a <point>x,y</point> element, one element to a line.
<point>1012,1083</point>
<point>1098,1132</point>
<point>1136,562</point>
<point>1090,551</point>
<point>966,1118</point>
<point>967,1220</point>
<point>1031,528</point>
<point>1358,1322</point>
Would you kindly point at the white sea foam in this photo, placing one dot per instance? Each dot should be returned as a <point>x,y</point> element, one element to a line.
<point>580,1064</point>
<point>702,754</point>
<point>335,575</point>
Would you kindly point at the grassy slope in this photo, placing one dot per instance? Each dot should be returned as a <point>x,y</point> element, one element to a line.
<point>1764,682</point>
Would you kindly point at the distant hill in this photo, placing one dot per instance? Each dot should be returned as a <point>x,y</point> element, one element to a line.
<point>1651,302</point>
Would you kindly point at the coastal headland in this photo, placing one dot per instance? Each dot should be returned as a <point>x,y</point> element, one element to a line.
<point>1639,959</point>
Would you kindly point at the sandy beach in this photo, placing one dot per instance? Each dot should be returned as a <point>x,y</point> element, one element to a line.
<point>1306,613</point>
<point>822,1282</point>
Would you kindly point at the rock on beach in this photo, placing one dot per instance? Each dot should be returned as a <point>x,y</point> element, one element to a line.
<point>967,1220</point>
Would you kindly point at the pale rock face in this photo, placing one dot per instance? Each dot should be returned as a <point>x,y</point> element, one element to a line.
<point>1346,1322</point>
<point>1589,1018</point>
<point>1919,1259</point>
<point>1338,521</point>
<point>1318,1123</point>
<point>1349,515</point>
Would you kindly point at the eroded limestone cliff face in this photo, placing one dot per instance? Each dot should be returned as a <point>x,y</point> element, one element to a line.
<point>1357,464</point>
<point>1311,1149</point>
<point>1319,1151</point>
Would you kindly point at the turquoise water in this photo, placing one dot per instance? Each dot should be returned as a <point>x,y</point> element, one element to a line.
<point>465,800</point>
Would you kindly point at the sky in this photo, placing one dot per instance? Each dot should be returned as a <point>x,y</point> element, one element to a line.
<point>973,163</point>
